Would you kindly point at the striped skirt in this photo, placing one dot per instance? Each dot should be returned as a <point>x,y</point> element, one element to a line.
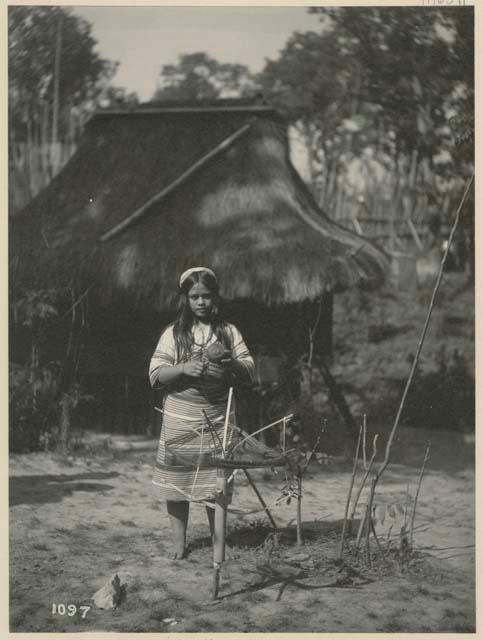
<point>186,439</point>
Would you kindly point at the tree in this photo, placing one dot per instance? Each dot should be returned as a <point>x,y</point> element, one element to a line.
<point>199,77</point>
<point>381,79</point>
<point>112,97</point>
<point>56,80</point>
<point>412,61</point>
<point>54,70</point>
<point>309,84</point>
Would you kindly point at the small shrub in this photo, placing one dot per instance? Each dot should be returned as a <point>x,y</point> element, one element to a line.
<point>443,399</point>
<point>31,418</point>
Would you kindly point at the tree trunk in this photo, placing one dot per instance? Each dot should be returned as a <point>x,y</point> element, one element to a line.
<point>65,421</point>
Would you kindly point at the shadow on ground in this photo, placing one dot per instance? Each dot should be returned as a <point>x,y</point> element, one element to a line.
<point>53,488</point>
<point>255,535</point>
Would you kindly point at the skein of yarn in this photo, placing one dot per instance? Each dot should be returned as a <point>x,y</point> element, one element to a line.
<point>215,352</point>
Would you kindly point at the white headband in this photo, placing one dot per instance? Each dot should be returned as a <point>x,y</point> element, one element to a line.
<point>188,272</point>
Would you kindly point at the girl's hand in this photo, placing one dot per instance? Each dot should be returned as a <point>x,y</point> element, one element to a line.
<point>227,359</point>
<point>193,368</point>
<point>215,371</point>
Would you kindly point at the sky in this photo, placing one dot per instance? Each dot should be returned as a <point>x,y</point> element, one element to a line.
<point>142,39</point>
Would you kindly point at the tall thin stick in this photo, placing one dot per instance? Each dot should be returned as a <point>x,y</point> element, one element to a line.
<point>311,454</point>
<point>361,529</point>
<point>220,509</point>
<point>312,332</point>
<point>369,526</point>
<point>424,331</point>
<point>349,494</point>
<point>268,426</point>
<point>227,418</point>
<point>413,515</point>
<point>55,112</point>
<point>260,498</point>
<point>406,506</point>
<point>364,479</point>
<point>299,511</point>
<point>392,434</point>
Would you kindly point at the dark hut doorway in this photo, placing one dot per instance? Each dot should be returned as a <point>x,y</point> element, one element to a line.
<point>281,338</point>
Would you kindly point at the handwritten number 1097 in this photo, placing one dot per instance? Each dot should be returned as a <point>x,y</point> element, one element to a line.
<point>70,610</point>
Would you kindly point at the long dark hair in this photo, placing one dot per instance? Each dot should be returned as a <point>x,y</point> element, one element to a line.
<point>183,324</point>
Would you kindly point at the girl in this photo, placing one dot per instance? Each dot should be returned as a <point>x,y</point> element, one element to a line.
<point>194,386</point>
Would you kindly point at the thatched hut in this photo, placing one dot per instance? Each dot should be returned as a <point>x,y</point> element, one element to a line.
<point>155,190</point>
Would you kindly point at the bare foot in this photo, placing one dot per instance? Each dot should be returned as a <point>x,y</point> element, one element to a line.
<point>179,554</point>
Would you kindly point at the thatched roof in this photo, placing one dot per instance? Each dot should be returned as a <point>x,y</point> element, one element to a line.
<point>245,212</point>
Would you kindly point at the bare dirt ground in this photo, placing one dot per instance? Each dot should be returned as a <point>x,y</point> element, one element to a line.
<point>74,522</point>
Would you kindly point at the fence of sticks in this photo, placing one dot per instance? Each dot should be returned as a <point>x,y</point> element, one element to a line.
<point>391,205</point>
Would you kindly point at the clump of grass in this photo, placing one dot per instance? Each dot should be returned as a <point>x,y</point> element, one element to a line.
<point>203,623</point>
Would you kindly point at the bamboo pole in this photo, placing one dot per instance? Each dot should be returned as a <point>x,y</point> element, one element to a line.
<point>414,233</point>
<point>220,509</point>
<point>54,152</point>
<point>219,531</point>
<point>260,498</point>
<point>173,185</point>
<point>268,426</point>
<point>227,419</point>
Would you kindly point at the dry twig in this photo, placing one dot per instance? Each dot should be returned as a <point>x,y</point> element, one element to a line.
<point>349,494</point>
<point>413,515</point>
<point>364,479</point>
<point>392,433</point>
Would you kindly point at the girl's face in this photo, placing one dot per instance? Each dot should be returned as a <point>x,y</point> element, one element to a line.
<point>201,301</point>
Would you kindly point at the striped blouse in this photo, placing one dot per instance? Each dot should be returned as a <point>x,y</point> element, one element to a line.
<point>165,355</point>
